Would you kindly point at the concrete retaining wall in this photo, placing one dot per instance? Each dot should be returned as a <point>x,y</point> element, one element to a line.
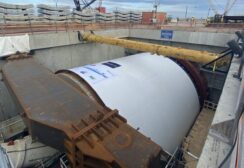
<point>76,55</point>
<point>202,38</point>
<point>63,50</point>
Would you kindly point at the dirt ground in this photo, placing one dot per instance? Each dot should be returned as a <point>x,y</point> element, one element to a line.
<point>195,140</point>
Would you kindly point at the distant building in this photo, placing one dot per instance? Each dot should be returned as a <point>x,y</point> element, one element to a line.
<point>148,17</point>
<point>101,9</point>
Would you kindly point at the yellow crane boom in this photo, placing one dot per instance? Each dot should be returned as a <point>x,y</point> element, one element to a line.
<point>173,52</point>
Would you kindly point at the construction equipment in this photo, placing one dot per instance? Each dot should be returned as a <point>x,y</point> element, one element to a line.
<point>100,3</point>
<point>77,5</point>
<point>213,7</point>
<point>218,17</point>
<point>60,116</point>
<point>155,6</point>
<point>228,6</point>
<point>141,83</point>
<point>85,4</point>
<point>168,51</point>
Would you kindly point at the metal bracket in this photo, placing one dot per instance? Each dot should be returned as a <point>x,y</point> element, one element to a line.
<point>235,47</point>
<point>224,54</point>
<point>80,36</point>
<point>240,35</point>
<point>238,74</point>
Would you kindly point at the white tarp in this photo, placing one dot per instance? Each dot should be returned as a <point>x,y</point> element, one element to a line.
<point>11,44</point>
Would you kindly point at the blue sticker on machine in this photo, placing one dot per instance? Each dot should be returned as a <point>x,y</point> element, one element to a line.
<point>167,34</point>
<point>111,64</point>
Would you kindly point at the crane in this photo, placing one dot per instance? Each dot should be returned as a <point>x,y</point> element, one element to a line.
<point>155,5</point>
<point>85,4</point>
<point>228,6</point>
<point>100,3</point>
<point>220,17</point>
<point>213,7</point>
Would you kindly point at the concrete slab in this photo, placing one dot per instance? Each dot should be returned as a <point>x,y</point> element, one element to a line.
<point>228,100</point>
<point>217,146</point>
<point>55,39</point>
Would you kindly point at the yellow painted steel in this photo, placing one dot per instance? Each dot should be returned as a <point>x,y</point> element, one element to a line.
<point>174,52</point>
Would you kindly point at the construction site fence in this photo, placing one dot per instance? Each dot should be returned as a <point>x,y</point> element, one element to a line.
<point>31,28</point>
<point>6,29</point>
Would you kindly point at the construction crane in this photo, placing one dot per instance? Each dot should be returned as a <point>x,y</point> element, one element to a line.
<point>213,7</point>
<point>77,5</point>
<point>228,6</point>
<point>85,4</point>
<point>100,3</point>
<point>219,17</point>
<point>155,5</point>
<point>100,9</point>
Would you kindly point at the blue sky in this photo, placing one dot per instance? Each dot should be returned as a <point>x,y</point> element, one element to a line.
<point>176,8</point>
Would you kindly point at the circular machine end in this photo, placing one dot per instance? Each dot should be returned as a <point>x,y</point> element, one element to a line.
<point>197,78</point>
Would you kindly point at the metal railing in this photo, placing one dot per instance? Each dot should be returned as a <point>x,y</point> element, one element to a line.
<point>64,163</point>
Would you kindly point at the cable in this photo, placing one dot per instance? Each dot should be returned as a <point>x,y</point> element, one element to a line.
<point>230,152</point>
<point>233,146</point>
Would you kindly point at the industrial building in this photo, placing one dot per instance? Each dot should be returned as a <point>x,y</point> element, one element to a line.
<point>86,88</point>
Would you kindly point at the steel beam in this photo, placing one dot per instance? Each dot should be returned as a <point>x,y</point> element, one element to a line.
<point>173,52</point>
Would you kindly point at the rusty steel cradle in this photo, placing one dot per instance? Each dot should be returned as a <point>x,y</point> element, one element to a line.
<point>59,115</point>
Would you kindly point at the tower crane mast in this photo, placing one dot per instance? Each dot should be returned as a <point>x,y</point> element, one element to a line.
<point>85,5</point>
<point>228,6</point>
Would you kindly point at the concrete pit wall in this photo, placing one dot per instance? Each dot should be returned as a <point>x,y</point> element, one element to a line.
<point>189,37</point>
<point>64,57</point>
<point>63,50</point>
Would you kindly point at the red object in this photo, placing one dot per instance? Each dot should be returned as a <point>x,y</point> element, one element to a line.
<point>101,9</point>
<point>148,16</point>
<point>10,143</point>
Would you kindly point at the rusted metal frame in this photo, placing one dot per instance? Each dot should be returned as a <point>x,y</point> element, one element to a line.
<point>86,129</point>
<point>84,137</point>
<point>78,159</point>
<point>74,149</point>
<point>95,131</point>
<point>197,78</point>
<point>71,153</point>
